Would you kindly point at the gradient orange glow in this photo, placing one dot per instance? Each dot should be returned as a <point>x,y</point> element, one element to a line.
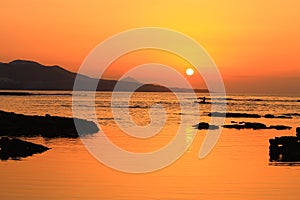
<point>255,44</point>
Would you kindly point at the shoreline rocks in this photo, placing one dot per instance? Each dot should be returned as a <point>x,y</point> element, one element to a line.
<point>16,148</point>
<point>47,126</point>
<point>255,126</point>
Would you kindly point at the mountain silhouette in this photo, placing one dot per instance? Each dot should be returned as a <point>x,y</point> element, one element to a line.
<point>30,75</point>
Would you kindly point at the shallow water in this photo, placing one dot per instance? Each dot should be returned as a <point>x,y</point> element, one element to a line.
<point>237,168</point>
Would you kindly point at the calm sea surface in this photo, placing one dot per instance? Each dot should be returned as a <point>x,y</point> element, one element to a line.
<point>237,168</point>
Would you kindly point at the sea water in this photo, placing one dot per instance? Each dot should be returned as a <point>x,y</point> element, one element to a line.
<point>237,168</point>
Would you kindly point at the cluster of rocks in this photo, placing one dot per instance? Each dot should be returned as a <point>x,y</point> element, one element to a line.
<point>285,148</point>
<point>255,126</point>
<point>241,125</point>
<point>205,126</point>
<point>246,115</point>
<point>47,126</point>
<point>18,125</point>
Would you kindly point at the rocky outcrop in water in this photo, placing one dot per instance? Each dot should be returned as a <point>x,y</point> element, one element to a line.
<point>247,115</point>
<point>205,126</point>
<point>16,149</point>
<point>285,148</point>
<point>280,116</point>
<point>234,115</point>
<point>255,126</point>
<point>47,126</point>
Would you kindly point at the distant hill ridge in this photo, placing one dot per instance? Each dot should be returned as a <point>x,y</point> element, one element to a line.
<point>30,75</point>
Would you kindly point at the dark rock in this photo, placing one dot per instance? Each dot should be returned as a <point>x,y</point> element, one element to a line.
<point>204,125</point>
<point>280,127</point>
<point>284,117</point>
<point>247,125</point>
<point>269,116</point>
<point>234,115</point>
<point>15,94</point>
<point>255,126</point>
<point>12,124</point>
<point>284,149</point>
<point>235,126</point>
<point>298,132</point>
<point>292,114</point>
<point>280,116</point>
<point>15,148</point>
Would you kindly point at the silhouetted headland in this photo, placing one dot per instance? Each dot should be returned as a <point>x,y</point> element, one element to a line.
<point>16,148</point>
<point>47,126</point>
<point>285,148</point>
<point>30,75</point>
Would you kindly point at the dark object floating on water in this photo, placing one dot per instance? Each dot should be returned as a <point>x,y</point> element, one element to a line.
<point>47,126</point>
<point>255,126</point>
<point>16,149</point>
<point>280,116</point>
<point>137,106</point>
<point>234,115</point>
<point>201,102</point>
<point>206,126</point>
<point>285,148</point>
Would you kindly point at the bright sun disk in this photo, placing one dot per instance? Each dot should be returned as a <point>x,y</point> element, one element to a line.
<point>189,71</point>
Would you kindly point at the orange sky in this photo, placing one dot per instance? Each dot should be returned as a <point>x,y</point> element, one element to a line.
<point>255,44</point>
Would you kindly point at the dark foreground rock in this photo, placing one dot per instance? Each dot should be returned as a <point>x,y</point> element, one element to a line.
<point>12,124</point>
<point>234,115</point>
<point>285,148</point>
<point>255,126</point>
<point>205,126</point>
<point>16,149</point>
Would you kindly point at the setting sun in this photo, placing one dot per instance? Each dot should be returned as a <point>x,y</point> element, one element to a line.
<point>189,71</point>
<point>149,99</point>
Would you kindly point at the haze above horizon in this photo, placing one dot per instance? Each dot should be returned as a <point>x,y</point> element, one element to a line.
<point>254,44</point>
